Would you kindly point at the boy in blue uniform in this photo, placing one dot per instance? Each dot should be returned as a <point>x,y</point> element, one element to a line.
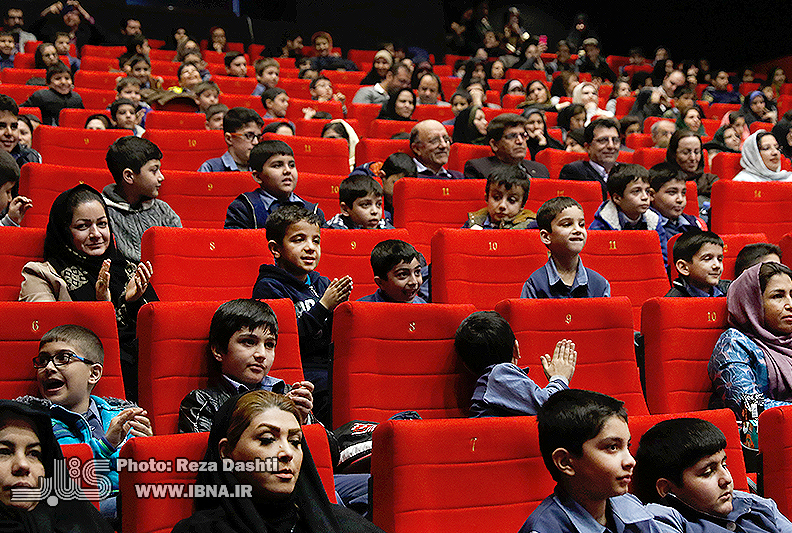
<point>486,344</point>
<point>681,463</point>
<point>584,440</point>
<point>397,273</point>
<point>360,198</point>
<point>506,193</point>
<point>669,199</point>
<point>294,239</point>
<point>242,132</point>
<point>274,169</point>
<point>628,207</point>
<point>698,256</point>
<point>562,228</point>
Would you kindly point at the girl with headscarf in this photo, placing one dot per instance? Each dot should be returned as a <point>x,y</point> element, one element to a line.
<point>400,106</point>
<point>341,129</point>
<point>755,354</point>
<point>586,94</point>
<point>260,425</point>
<point>82,264</point>
<point>726,139</point>
<point>761,159</point>
<point>470,126</point>
<point>512,87</point>
<point>756,108</point>
<point>383,61</point>
<point>538,137</point>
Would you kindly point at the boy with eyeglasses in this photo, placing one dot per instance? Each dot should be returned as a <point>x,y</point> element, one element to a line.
<point>242,131</point>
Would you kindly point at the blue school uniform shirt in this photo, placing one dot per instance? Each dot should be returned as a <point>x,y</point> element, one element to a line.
<point>380,296</point>
<point>250,210</point>
<point>545,282</point>
<point>506,390</point>
<point>683,223</point>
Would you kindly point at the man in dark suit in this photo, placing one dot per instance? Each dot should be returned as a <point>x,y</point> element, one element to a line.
<point>601,140</point>
<point>431,145</point>
<point>508,139</point>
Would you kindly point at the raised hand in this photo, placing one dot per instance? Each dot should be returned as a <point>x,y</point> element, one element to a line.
<point>139,282</point>
<point>563,361</point>
<point>103,283</point>
<point>338,291</point>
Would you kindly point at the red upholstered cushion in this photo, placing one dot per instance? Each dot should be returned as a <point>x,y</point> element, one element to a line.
<point>726,165</point>
<point>555,160</point>
<point>187,149</point>
<point>202,198</point>
<point>318,155</point>
<point>19,246</point>
<point>379,149</point>
<point>745,207</point>
<point>460,153</point>
<point>75,147</point>
<point>587,193</point>
<point>775,442</point>
<point>160,120</point>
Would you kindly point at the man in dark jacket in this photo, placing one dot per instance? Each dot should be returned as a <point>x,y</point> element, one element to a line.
<point>508,139</point>
<point>602,142</point>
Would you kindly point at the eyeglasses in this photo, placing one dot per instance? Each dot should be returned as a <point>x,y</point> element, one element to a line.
<point>516,135</point>
<point>249,135</point>
<point>603,141</point>
<point>59,359</point>
<point>437,140</point>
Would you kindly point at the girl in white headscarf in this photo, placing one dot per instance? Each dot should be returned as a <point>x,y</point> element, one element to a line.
<point>761,159</point>
<point>587,95</point>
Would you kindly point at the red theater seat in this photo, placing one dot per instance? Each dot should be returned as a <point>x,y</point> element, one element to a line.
<point>19,93</point>
<point>525,76</point>
<point>365,114</point>
<point>602,329</point>
<point>317,155</point>
<point>717,111</point>
<point>202,198</point>
<point>726,165</point>
<point>295,88</point>
<point>84,454</point>
<point>234,85</point>
<point>433,112</point>
<point>160,120</point>
<point>175,356</point>
<point>775,442</point>
<point>89,50</point>
<point>20,76</point>
<point>35,111</point>
<point>679,335</point>
<point>187,149</point>
<point>587,193</point>
<point>555,160</point>
<point>395,357</point>
<point>312,127</point>
<point>296,106</point>
<point>74,146</point>
<point>241,100</point>
<point>89,79</point>
<point>746,207</point>
<point>339,76</point>
<point>19,245</point>
<point>639,140</point>
<point>379,149</point>
<point>386,129</point>
<point>204,264</point>
<point>649,157</point>
<point>321,190</point>
<point>732,244</point>
<point>756,126</point>
<point>23,325</point>
<point>76,118</point>
<point>461,153</point>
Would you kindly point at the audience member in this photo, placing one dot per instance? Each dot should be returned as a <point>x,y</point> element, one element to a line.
<point>9,133</point>
<point>508,139</point>
<point>72,18</point>
<point>669,199</point>
<point>662,130</point>
<point>470,126</point>
<point>538,136</point>
<point>506,192</point>
<point>756,108</point>
<point>207,94</point>
<point>58,96</point>
<point>752,254</point>
<point>586,95</point>
<point>242,132</point>
<point>275,102</point>
<point>684,154</point>
<point>761,159</point>
<point>13,22</point>
<point>7,52</point>
<point>602,142</point>
<point>267,75</point>
<point>397,268</point>
<point>430,90</point>
<point>397,78</point>
<point>12,208</point>
<point>593,63</point>
<point>215,115</point>
<point>124,115</point>
<point>430,144</point>
<point>654,101</point>
<point>400,105</point>
<point>698,257</point>
<point>98,121</point>
<point>360,199</point>
<point>719,93</point>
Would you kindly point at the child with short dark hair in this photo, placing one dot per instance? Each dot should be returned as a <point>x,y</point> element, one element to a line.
<point>215,114</point>
<point>752,254</point>
<point>7,51</point>
<point>628,207</point>
<point>506,193</point>
<point>62,46</point>
<point>132,203</point>
<point>9,133</point>
<point>140,68</point>
<point>294,237</point>
<point>698,257</point>
<point>58,96</point>
<point>267,75</point>
<point>397,272</point>
<point>130,87</point>
<point>235,64</point>
<point>487,346</point>
<point>242,339</point>
<point>360,198</point>
<point>125,115</point>
<point>272,163</point>
<point>562,228</point>
<point>12,209</point>
<point>207,93</point>
<point>395,167</point>
<point>275,102</point>
<point>681,463</point>
<point>669,198</point>
<point>242,131</point>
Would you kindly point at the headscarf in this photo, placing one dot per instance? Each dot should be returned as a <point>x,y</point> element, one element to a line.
<point>750,116</point>
<point>508,85</point>
<point>388,111</point>
<point>682,125</point>
<point>718,142</point>
<point>373,77</point>
<point>464,129</point>
<point>565,115</point>
<point>353,140</point>
<point>780,132</point>
<point>752,163</point>
<point>746,313</point>
<point>533,144</point>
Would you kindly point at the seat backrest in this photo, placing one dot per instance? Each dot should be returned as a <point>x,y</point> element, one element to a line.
<point>317,155</point>
<point>425,205</point>
<point>649,157</point>
<point>296,106</point>
<point>202,198</point>
<point>234,85</point>
<point>732,244</point>
<point>746,207</point>
<point>175,357</point>
<point>485,471</point>
<point>321,190</point>
<point>775,442</point>
<point>337,76</point>
<point>75,147</point>
<point>242,100</point>
<point>187,149</point>
<point>89,50</point>
<point>312,127</point>
<point>83,453</point>
<point>483,267</point>
<point>717,111</point>
<point>602,331</point>
<point>365,114</point>
<point>19,93</point>
<point>460,154</point>
<point>679,335</point>
<point>385,129</point>
<point>76,118</point>
<point>296,88</point>
<point>204,264</point>
<point>19,246</point>
<point>22,327</point>
<point>433,112</point>
<point>159,120</point>
<point>726,165</point>
<point>555,160</point>
<point>587,193</point>
<point>97,98</point>
<point>88,79</point>
<point>394,357</point>
<point>379,149</point>
<point>20,76</point>
<point>639,140</point>
<point>632,262</point>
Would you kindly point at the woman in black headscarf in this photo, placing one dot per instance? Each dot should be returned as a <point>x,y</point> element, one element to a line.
<point>400,106</point>
<point>262,425</point>
<point>783,134</point>
<point>685,155</point>
<point>30,451</point>
<point>470,126</point>
<point>538,136</point>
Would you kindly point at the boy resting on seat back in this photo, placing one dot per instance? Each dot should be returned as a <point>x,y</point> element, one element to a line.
<point>681,463</point>
<point>628,207</point>
<point>274,169</point>
<point>294,237</point>
<point>360,198</point>
<point>753,254</point>
<point>12,209</point>
<point>58,96</point>
<point>698,257</point>
<point>486,344</point>
<point>397,273</point>
<point>124,114</point>
<point>584,440</point>
<point>132,203</point>
<point>506,193</point>
<point>669,198</point>
<point>562,228</point>
<point>242,338</point>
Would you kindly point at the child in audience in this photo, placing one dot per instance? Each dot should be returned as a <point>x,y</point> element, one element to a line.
<point>242,339</point>
<point>98,121</point>
<point>397,272</point>
<point>129,87</point>
<point>681,463</point>
<point>58,96</point>
<point>6,50</point>
<point>669,198</point>
<point>132,203</point>
<point>140,67</point>
<point>628,207</point>
<point>267,75</point>
<point>487,346</point>
<point>215,114</point>
<point>275,102</point>
<point>360,198</point>
<point>9,133</point>
<point>753,254</point>
<point>235,64</point>
<point>294,237</point>
<point>242,132</point>
<point>124,115</point>
<point>506,193</point>
<point>562,228</point>
<point>698,257</point>
<point>584,440</point>
<point>394,168</point>
<point>62,45</point>
<point>207,93</point>
<point>273,167</point>
<point>12,209</point>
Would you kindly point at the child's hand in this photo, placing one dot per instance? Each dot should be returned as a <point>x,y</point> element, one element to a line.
<point>302,395</point>
<point>563,361</point>
<point>308,112</point>
<point>140,426</point>
<point>103,282</point>
<point>339,97</point>
<point>18,207</point>
<point>121,424</point>
<point>139,282</point>
<point>338,291</point>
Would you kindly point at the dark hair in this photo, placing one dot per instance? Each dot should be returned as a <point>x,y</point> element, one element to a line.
<point>215,109</point>
<point>683,90</point>
<point>273,127</point>
<point>690,242</point>
<point>509,176</point>
<point>185,65</point>
<point>261,153</point>
<point>751,254</point>
<point>669,448</point>
<point>622,175</point>
<point>639,80</point>
<point>8,104</point>
<point>9,170</point>
<point>389,253</point>
<point>768,270</point>
<point>237,118</point>
<point>358,186</point>
<point>660,176</point>
<point>571,417</point>
<point>501,123</point>
<point>271,94</point>
<point>336,127</point>
<point>38,59</point>
<point>123,83</point>
<point>237,315</point>
<point>101,116</point>
<point>484,339</point>
<point>316,80</point>
<point>58,68</point>
<point>673,146</point>
<point>230,57</point>
<point>388,111</point>
<point>551,209</point>
<point>82,338</point>
<point>399,163</point>
<point>436,78</point>
<point>137,58</point>
<point>118,103</point>
<point>132,42</point>
<point>588,133</point>
<point>130,152</point>
<point>626,121</point>
<point>278,222</point>
<point>206,86</point>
